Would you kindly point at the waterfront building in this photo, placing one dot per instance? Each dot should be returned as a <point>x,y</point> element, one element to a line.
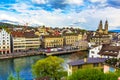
<point>5,42</point>
<point>51,41</point>
<point>32,40</point>
<point>86,63</point>
<point>23,41</point>
<point>70,39</point>
<point>18,41</point>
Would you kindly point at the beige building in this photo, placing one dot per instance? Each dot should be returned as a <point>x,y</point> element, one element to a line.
<point>52,41</point>
<point>23,41</point>
<point>19,44</point>
<point>70,39</point>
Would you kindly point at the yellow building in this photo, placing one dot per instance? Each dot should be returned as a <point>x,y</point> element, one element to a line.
<point>52,41</point>
<point>86,63</point>
<point>70,39</point>
<point>80,37</point>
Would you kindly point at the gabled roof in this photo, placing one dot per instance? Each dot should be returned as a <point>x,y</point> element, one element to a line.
<point>89,60</point>
<point>110,50</point>
<point>30,34</point>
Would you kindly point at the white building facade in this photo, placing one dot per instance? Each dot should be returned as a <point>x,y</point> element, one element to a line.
<point>93,52</point>
<point>5,47</point>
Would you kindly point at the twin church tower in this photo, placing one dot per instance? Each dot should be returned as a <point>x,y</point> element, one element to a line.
<point>101,29</point>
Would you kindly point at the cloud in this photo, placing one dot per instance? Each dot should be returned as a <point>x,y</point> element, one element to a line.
<point>62,13</point>
<point>39,1</point>
<point>75,2</point>
<point>100,1</point>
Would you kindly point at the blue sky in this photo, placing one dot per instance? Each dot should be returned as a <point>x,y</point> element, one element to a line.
<point>84,14</point>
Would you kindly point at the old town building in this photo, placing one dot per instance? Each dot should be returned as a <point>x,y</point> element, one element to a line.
<point>51,41</point>
<point>23,41</point>
<point>5,42</point>
<point>101,36</point>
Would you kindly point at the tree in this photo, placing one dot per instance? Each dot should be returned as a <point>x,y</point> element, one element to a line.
<point>92,74</point>
<point>50,66</point>
<point>17,77</point>
<point>11,77</point>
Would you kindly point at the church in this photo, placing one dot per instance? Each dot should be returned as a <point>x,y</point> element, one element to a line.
<point>101,36</point>
<point>102,30</point>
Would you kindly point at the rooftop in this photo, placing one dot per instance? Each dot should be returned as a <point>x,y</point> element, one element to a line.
<point>89,60</point>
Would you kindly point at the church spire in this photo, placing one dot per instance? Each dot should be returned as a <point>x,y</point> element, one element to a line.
<point>100,25</point>
<point>106,27</point>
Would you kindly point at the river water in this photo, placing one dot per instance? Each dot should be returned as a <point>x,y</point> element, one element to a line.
<point>9,66</point>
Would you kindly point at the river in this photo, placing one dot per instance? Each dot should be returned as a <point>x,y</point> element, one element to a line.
<point>9,66</point>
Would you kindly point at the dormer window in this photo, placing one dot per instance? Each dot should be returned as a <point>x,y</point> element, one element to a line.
<point>106,51</point>
<point>115,52</point>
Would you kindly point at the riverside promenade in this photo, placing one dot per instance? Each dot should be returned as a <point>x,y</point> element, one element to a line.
<point>33,53</point>
<point>61,52</point>
<point>19,54</point>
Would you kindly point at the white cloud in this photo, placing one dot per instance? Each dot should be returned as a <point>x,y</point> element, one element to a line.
<point>76,2</point>
<point>101,1</point>
<point>39,1</point>
<point>93,16</point>
<point>87,19</point>
<point>7,17</point>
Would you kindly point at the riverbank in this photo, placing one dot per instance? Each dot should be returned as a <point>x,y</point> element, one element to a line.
<point>34,53</point>
<point>19,55</point>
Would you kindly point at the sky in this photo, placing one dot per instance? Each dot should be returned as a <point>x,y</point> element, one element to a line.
<point>84,14</point>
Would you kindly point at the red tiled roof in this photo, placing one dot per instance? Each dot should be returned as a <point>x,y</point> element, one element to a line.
<point>17,33</point>
<point>30,34</point>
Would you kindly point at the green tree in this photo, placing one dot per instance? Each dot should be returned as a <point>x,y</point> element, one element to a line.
<point>11,77</point>
<point>50,66</point>
<point>17,77</point>
<point>92,74</point>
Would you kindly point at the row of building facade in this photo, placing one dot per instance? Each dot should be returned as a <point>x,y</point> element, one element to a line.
<point>20,41</point>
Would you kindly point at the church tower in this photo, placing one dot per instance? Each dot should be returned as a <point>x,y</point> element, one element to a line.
<point>100,30</point>
<point>106,27</point>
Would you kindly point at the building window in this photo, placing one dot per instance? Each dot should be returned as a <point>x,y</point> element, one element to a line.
<point>95,64</point>
<point>92,52</point>
<point>79,66</point>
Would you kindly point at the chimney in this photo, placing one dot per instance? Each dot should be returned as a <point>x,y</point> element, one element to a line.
<point>85,60</point>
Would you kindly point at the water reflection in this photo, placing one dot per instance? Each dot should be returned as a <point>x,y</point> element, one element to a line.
<point>24,64</point>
